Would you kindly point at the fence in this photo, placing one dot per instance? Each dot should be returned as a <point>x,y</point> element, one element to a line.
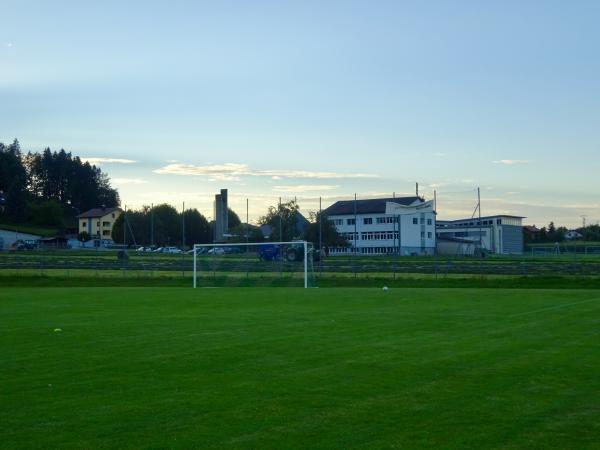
<point>106,264</point>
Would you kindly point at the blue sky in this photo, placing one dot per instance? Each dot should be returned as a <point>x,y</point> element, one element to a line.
<point>315,98</point>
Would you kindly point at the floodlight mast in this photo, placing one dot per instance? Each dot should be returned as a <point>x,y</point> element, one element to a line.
<point>254,244</point>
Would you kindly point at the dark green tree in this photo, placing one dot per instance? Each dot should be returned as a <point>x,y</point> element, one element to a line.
<point>13,182</point>
<point>197,228</point>
<point>233,219</point>
<point>283,220</point>
<point>329,234</point>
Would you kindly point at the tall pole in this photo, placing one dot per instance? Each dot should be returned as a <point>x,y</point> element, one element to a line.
<point>417,188</point>
<point>355,233</point>
<point>124,226</point>
<point>434,200</point>
<point>152,225</point>
<point>280,227</point>
<point>247,237</point>
<point>183,226</point>
<point>320,227</point>
<point>479,209</point>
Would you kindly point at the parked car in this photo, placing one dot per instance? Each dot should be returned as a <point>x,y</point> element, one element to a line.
<point>216,251</point>
<point>174,250</point>
<point>21,245</point>
<point>199,251</point>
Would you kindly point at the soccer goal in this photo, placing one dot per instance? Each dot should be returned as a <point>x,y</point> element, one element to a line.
<point>254,264</point>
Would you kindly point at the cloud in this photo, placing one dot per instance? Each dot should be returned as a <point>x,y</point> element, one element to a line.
<point>512,162</point>
<point>305,188</point>
<point>8,44</point>
<point>98,161</point>
<point>128,181</point>
<point>233,172</point>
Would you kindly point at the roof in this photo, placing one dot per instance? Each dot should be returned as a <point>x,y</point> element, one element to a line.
<point>531,228</point>
<point>370,206</point>
<point>97,212</point>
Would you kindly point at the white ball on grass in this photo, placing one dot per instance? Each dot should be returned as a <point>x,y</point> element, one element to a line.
<point>385,288</point>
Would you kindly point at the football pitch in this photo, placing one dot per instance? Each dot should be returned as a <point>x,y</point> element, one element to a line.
<point>287,368</point>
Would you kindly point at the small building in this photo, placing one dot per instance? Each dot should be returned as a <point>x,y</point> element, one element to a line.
<point>573,235</point>
<point>456,247</point>
<point>531,233</point>
<point>502,234</point>
<point>8,238</point>
<point>99,222</point>
<point>383,226</point>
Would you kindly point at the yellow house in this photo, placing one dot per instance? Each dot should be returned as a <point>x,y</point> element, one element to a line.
<point>99,222</point>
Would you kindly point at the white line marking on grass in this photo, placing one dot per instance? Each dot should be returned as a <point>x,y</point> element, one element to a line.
<point>550,308</point>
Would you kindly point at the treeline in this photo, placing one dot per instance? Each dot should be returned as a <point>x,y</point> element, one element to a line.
<point>45,188</point>
<point>552,234</point>
<point>164,225</point>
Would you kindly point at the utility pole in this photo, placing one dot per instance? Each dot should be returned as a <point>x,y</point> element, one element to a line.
<point>417,188</point>
<point>247,237</point>
<point>320,227</point>
<point>280,228</point>
<point>183,226</point>
<point>124,226</point>
<point>479,209</point>
<point>355,233</point>
<point>152,225</point>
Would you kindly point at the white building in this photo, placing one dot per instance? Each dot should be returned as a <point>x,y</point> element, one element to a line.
<point>501,234</point>
<point>404,226</point>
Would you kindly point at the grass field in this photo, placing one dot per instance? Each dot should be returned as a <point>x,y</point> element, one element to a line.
<point>293,368</point>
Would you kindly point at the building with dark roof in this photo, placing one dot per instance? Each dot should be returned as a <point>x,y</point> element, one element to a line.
<point>98,222</point>
<point>389,225</point>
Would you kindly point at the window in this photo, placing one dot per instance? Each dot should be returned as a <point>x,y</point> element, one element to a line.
<point>498,221</point>
<point>381,220</point>
<point>83,224</point>
<point>105,232</point>
<point>368,220</point>
<point>415,221</point>
<point>429,221</point>
<point>98,223</point>
<point>422,234</point>
<point>113,215</point>
<point>106,224</point>
<point>429,234</point>
<point>350,221</point>
<point>337,221</point>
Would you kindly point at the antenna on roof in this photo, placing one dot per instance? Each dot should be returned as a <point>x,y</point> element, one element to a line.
<point>417,188</point>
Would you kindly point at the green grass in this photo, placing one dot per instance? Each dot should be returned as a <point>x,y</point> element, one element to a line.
<point>292,368</point>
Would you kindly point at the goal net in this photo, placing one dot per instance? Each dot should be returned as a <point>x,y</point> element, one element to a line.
<point>254,264</point>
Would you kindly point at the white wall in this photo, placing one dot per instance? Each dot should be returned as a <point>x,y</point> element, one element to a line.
<point>410,233</point>
<point>9,237</point>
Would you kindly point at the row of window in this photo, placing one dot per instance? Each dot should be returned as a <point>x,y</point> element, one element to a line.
<point>104,224</point>
<point>380,220</point>
<point>379,235</point>
<point>364,250</point>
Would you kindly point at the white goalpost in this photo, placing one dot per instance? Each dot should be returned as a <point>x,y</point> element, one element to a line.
<point>256,254</point>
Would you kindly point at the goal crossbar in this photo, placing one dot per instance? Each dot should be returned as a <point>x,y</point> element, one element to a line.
<point>254,244</point>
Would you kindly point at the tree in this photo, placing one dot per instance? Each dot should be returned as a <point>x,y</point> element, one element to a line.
<point>48,213</point>
<point>329,234</point>
<point>283,220</point>
<point>197,228</point>
<point>232,218</point>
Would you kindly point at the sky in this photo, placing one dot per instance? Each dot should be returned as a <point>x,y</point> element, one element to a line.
<point>176,100</point>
